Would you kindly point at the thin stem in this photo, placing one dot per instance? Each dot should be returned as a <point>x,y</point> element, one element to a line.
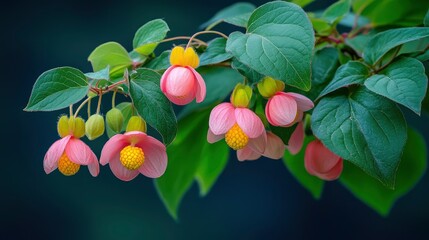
<point>184,38</point>
<point>81,106</point>
<point>205,32</point>
<point>100,96</point>
<point>213,25</point>
<point>113,98</point>
<point>89,107</point>
<point>71,110</point>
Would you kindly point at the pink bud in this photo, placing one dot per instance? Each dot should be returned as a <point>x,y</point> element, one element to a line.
<point>321,162</point>
<point>286,109</point>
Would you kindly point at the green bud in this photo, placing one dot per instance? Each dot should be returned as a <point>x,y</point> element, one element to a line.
<point>94,127</point>
<point>136,123</point>
<point>63,126</point>
<point>268,87</point>
<point>115,119</point>
<point>78,127</point>
<point>241,95</point>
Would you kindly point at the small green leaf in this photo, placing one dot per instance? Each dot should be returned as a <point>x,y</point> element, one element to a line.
<point>321,26</point>
<point>404,81</point>
<point>110,54</point>
<point>359,42</point>
<point>284,133</point>
<point>154,108</point>
<point>295,165</point>
<point>348,74</point>
<point>334,13</point>
<point>377,196</point>
<point>214,158</point>
<point>57,88</point>
<point>103,74</point>
<point>252,75</point>
<point>301,3</point>
<point>385,41</point>
<point>215,52</point>
<point>183,160</point>
<point>279,43</point>
<point>364,128</point>
<point>146,74</point>
<point>161,62</point>
<point>149,35</point>
<point>236,14</point>
<point>220,80</point>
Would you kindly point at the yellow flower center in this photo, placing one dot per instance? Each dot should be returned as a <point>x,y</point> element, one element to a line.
<point>236,138</point>
<point>131,157</point>
<point>67,167</point>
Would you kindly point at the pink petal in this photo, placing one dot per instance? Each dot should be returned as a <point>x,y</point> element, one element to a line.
<point>120,171</point>
<point>319,160</point>
<point>247,154</point>
<point>212,138</point>
<point>201,86</point>
<point>112,148</point>
<point>275,147</point>
<point>304,103</point>
<point>258,144</point>
<point>281,110</point>
<point>93,165</point>
<point>222,118</point>
<point>249,122</point>
<point>296,139</point>
<point>180,86</point>
<point>163,81</point>
<point>78,152</point>
<point>155,153</point>
<point>334,173</point>
<point>55,151</point>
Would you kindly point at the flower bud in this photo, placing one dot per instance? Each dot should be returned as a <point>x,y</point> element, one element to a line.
<point>136,123</point>
<point>268,87</point>
<point>241,95</point>
<point>63,126</point>
<point>94,127</point>
<point>77,126</point>
<point>115,119</point>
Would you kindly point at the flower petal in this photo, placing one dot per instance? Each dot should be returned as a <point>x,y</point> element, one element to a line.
<point>163,81</point>
<point>258,144</point>
<point>319,160</point>
<point>212,138</point>
<point>296,139</point>
<point>120,171</point>
<point>249,122</point>
<point>247,154</point>
<point>275,148</point>
<point>334,173</point>
<point>50,162</point>
<point>113,148</point>
<point>200,86</point>
<point>222,118</point>
<point>180,85</point>
<point>155,153</point>
<point>281,110</point>
<point>78,152</point>
<point>304,103</point>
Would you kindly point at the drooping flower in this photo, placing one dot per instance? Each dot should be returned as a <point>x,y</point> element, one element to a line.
<point>180,82</point>
<point>274,149</point>
<point>283,108</point>
<point>321,162</point>
<point>69,153</point>
<point>132,153</point>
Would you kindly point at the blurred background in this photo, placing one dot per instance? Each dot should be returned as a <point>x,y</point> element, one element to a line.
<point>251,200</point>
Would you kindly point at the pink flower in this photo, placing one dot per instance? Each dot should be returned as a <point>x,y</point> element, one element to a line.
<point>132,153</point>
<point>242,129</point>
<point>180,82</point>
<point>321,162</point>
<point>286,109</point>
<point>67,154</point>
<point>274,149</point>
<point>296,139</point>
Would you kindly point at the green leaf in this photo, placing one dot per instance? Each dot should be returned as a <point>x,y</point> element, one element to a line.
<point>220,80</point>
<point>301,3</point>
<point>377,196</point>
<point>57,88</point>
<point>103,74</point>
<point>364,128</point>
<point>183,161</point>
<point>146,74</point>
<point>161,62</point>
<point>236,14</point>
<point>215,52</point>
<point>279,43</point>
<point>359,42</point>
<point>337,11</point>
<point>321,26</point>
<point>214,158</point>
<point>385,41</point>
<point>284,133</point>
<point>154,107</point>
<point>252,75</point>
<point>348,74</point>
<point>404,81</point>
<point>426,20</point>
<point>110,54</point>
<point>137,57</point>
<point>149,35</point>
<point>295,165</point>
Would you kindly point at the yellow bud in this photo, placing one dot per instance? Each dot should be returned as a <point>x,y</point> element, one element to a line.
<point>241,95</point>
<point>176,56</point>
<point>94,127</point>
<point>78,127</point>
<point>191,58</point>
<point>115,119</point>
<point>136,123</point>
<point>268,87</point>
<point>63,126</point>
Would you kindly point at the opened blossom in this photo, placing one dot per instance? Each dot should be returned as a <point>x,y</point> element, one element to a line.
<point>321,162</point>
<point>274,149</point>
<point>180,82</point>
<point>133,153</point>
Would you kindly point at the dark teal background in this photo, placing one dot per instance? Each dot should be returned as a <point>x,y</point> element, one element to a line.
<point>251,200</point>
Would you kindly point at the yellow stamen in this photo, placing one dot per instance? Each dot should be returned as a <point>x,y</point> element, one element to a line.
<point>181,57</point>
<point>236,138</point>
<point>67,167</point>
<point>131,157</point>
